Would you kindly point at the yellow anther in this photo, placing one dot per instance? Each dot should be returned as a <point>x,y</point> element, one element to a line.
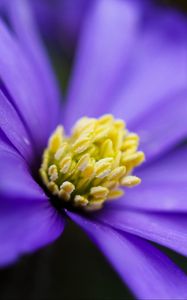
<point>83,162</point>
<point>105,120</point>
<point>82,183</point>
<point>136,158</point>
<point>99,192</point>
<point>117,173</point>
<point>83,126</point>
<point>88,171</point>
<point>65,164</point>
<point>111,185</point>
<point>63,195</point>
<point>107,149</point>
<point>129,143</point>
<point>130,181</point>
<point>101,133</point>
<point>45,160</point>
<point>114,194</point>
<point>103,167</point>
<point>53,172</point>
<point>119,124</point>
<point>44,176</point>
<point>59,153</point>
<point>88,168</point>
<point>56,139</point>
<point>81,144</point>
<point>53,187</point>
<point>133,136</point>
<point>80,201</point>
<point>68,187</point>
<point>94,205</point>
<point>66,190</point>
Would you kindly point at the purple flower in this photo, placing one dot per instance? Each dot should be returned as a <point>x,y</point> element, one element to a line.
<point>131,62</point>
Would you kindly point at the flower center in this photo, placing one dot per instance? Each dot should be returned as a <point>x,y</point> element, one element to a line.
<point>89,167</point>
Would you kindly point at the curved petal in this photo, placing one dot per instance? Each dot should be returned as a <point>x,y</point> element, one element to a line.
<point>103,50</point>
<point>153,101</point>
<point>27,81</point>
<point>130,73</point>
<point>16,182</point>
<point>23,24</point>
<point>169,230</point>
<point>27,219</point>
<point>26,228</point>
<point>5,144</point>
<point>164,126</point>
<point>159,51</point>
<point>14,130</point>
<point>21,85</point>
<point>147,271</point>
<point>163,186</point>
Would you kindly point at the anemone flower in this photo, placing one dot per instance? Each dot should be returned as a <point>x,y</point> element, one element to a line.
<point>125,66</point>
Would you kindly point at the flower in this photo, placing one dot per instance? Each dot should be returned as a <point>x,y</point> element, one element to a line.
<point>129,73</point>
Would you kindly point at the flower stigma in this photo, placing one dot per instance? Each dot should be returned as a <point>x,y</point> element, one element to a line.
<point>89,167</point>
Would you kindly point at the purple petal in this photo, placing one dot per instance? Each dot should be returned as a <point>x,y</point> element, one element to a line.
<point>16,182</point>
<point>153,102</point>
<point>163,126</point>
<point>22,86</point>
<point>5,143</point>
<point>159,51</point>
<point>70,17</point>
<point>13,128</point>
<point>169,230</point>
<point>148,272</point>
<point>130,73</point>
<point>20,81</point>
<point>24,26</point>
<point>61,21</point>
<point>163,186</point>
<point>27,219</point>
<point>26,228</point>
<point>104,47</point>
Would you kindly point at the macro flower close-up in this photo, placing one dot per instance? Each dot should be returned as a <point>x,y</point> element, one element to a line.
<point>110,153</point>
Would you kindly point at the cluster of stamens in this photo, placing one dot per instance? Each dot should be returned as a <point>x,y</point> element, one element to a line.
<point>88,168</point>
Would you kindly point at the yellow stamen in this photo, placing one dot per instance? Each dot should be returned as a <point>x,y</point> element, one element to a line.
<point>88,168</point>
<point>130,181</point>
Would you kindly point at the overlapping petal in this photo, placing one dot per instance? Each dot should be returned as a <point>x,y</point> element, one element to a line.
<point>14,130</point>
<point>16,182</point>
<point>163,186</point>
<point>159,51</point>
<point>22,85</point>
<point>27,219</point>
<point>104,47</point>
<point>153,101</point>
<point>169,230</point>
<point>25,28</point>
<point>164,126</point>
<point>27,228</point>
<point>25,73</point>
<point>145,269</point>
<point>130,74</point>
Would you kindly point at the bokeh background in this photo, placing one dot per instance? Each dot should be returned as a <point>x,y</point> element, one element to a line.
<point>72,267</point>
